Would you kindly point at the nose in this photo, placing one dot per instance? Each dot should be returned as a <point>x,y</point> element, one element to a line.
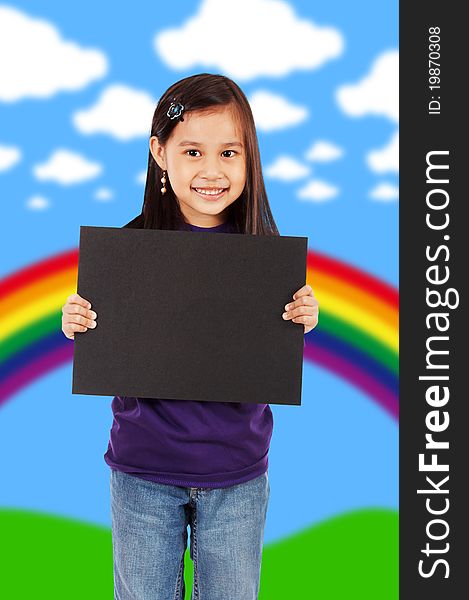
<point>211,168</point>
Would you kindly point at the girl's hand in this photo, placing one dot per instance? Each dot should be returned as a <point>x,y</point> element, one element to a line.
<point>304,309</point>
<point>77,316</point>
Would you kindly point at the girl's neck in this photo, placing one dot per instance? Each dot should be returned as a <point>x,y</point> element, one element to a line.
<point>208,227</point>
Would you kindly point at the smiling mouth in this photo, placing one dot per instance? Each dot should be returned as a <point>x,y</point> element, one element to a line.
<point>210,193</point>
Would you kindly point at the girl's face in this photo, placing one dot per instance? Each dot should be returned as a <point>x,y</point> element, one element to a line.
<point>205,151</point>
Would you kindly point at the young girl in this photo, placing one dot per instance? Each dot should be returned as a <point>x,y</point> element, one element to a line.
<point>176,463</point>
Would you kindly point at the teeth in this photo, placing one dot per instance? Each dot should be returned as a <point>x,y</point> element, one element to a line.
<point>209,193</point>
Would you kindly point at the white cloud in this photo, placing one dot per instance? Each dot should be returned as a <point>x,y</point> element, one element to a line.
<point>141,177</point>
<point>318,191</point>
<point>37,203</point>
<point>248,39</point>
<point>120,111</point>
<point>377,93</point>
<point>272,112</point>
<point>67,168</point>
<point>103,194</point>
<point>9,156</point>
<point>38,63</point>
<point>323,151</point>
<point>385,192</point>
<point>386,159</point>
<point>286,168</point>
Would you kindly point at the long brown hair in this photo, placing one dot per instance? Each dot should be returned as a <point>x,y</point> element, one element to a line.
<point>250,213</point>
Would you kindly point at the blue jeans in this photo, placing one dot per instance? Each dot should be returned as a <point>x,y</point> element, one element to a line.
<point>149,538</point>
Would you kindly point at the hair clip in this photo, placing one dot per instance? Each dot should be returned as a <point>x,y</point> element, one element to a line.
<point>175,110</point>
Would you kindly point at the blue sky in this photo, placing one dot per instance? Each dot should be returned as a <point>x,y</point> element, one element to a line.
<point>322,82</point>
<point>350,225</point>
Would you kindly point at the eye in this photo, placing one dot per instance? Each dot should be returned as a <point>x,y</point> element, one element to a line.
<point>194,150</point>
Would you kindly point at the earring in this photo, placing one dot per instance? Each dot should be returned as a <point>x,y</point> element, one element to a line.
<point>163,181</point>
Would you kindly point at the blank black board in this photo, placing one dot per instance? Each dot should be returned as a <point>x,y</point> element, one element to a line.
<point>190,315</point>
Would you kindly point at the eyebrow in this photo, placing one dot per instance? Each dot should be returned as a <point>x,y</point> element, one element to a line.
<point>189,143</point>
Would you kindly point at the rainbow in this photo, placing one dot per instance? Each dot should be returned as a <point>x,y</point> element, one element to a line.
<point>356,337</point>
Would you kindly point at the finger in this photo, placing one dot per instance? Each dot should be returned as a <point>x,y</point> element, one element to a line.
<point>304,311</point>
<point>77,299</point>
<point>72,310</point>
<point>77,309</point>
<point>302,301</point>
<point>306,320</point>
<point>306,290</point>
<point>77,327</point>
<point>71,328</point>
<point>78,319</point>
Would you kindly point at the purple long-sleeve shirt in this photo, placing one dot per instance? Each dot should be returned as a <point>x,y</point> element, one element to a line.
<point>187,442</point>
